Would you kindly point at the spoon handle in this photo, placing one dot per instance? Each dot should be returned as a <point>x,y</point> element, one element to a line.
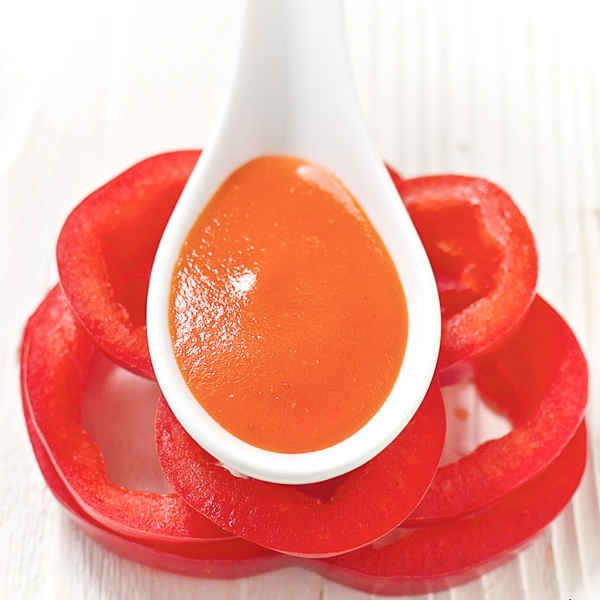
<point>292,83</point>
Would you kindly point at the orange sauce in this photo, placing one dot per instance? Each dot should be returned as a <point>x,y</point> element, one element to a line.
<point>287,316</point>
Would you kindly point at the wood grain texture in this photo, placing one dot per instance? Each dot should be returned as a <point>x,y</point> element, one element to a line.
<point>508,90</point>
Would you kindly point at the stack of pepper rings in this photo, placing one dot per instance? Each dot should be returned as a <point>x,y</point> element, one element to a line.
<point>400,524</point>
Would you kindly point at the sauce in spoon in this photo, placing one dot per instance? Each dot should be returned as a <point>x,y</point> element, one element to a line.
<point>287,315</point>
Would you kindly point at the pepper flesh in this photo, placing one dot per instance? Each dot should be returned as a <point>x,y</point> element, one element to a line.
<point>106,248</point>
<point>539,379</point>
<point>55,360</point>
<point>365,504</point>
<point>483,256</point>
<point>226,558</point>
<point>435,558</point>
<point>407,561</point>
<point>486,277</point>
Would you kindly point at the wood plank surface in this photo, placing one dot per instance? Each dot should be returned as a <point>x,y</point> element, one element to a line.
<point>508,90</point>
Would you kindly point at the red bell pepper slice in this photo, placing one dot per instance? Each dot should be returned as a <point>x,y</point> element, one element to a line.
<point>225,558</point>
<point>54,367</point>
<point>485,262</point>
<point>539,379</point>
<point>417,561</point>
<point>106,248</point>
<point>407,561</point>
<point>483,256</point>
<point>366,503</point>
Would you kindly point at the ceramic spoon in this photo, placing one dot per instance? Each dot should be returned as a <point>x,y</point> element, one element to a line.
<point>292,94</point>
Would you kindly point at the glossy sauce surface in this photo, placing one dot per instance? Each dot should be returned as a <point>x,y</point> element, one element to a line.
<point>288,319</point>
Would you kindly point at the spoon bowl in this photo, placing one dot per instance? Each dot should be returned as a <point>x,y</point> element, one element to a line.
<point>292,94</point>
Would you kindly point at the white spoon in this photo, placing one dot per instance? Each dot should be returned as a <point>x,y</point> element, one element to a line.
<point>293,94</point>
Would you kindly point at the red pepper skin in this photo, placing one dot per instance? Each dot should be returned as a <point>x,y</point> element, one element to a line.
<point>225,558</point>
<point>397,179</point>
<point>106,248</point>
<point>483,256</point>
<point>56,354</point>
<point>539,379</point>
<point>425,559</point>
<point>366,504</point>
<point>419,560</point>
<point>486,266</point>
<point>435,558</point>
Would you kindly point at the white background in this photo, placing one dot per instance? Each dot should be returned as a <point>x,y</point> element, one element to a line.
<point>503,89</point>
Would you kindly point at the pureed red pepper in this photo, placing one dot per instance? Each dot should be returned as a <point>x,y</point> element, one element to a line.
<point>281,290</point>
<point>475,267</point>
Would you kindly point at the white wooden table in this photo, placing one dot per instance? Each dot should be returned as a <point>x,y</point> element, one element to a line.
<point>504,89</point>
